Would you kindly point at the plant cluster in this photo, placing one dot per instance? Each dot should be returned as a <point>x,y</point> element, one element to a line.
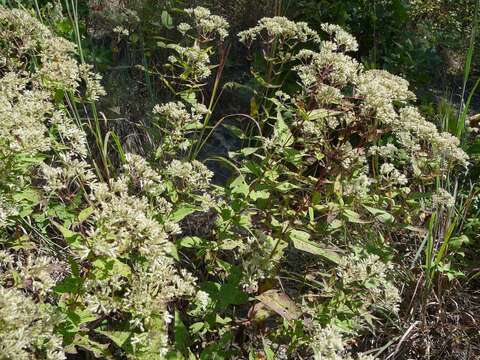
<point>108,254</point>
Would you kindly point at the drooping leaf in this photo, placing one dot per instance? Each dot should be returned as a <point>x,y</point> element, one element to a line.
<point>279,302</point>
<point>300,240</point>
<point>353,217</point>
<point>381,215</point>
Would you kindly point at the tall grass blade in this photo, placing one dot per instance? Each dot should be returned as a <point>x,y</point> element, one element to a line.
<point>466,75</point>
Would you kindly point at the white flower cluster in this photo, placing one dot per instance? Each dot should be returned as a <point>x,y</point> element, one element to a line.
<point>326,66</point>
<point>176,122</point>
<point>380,90</point>
<point>93,89</point>
<point>142,176</point>
<point>371,273</point>
<point>125,238</point>
<point>443,198</point>
<point>34,273</point>
<point>57,69</point>
<point>207,24</point>
<point>68,171</point>
<point>193,175</point>
<point>177,114</point>
<point>415,133</point>
<point>22,113</point>
<point>328,344</point>
<point>124,223</point>
<point>341,38</point>
<point>280,28</point>
<point>120,30</point>
<point>27,329</point>
<point>194,59</point>
<point>371,104</point>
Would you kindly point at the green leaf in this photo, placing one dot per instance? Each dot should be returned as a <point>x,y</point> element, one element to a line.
<point>172,250</point>
<point>255,195</point>
<point>182,212</point>
<point>459,241</point>
<point>97,349</point>
<point>294,156</point>
<point>120,338</point>
<point>197,327</point>
<point>29,195</point>
<point>190,242</point>
<point>381,215</point>
<point>85,213</point>
<point>269,353</point>
<point>285,186</point>
<point>218,350</point>
<point>70,284</point>
<point>80,316</point>
<point>353,217</point>
<point>239,186</point>
<point>318,114</point>
<point>264,83</point>
<point>230,294</point>
<point>235,131</point>
<point>167,20</point>
<point>301,242</point>
<point>280,303</point>
<point>67,234</point>
<point>105,267</point>
<point>249,151</point>
<point>181,333</point>
<point>282,131</point>
<point>229,244</point>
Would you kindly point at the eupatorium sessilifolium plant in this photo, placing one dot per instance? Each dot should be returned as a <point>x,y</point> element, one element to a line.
<point>294,254</point>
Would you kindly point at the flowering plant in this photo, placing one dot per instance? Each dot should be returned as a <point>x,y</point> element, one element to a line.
<point>143,257</point>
